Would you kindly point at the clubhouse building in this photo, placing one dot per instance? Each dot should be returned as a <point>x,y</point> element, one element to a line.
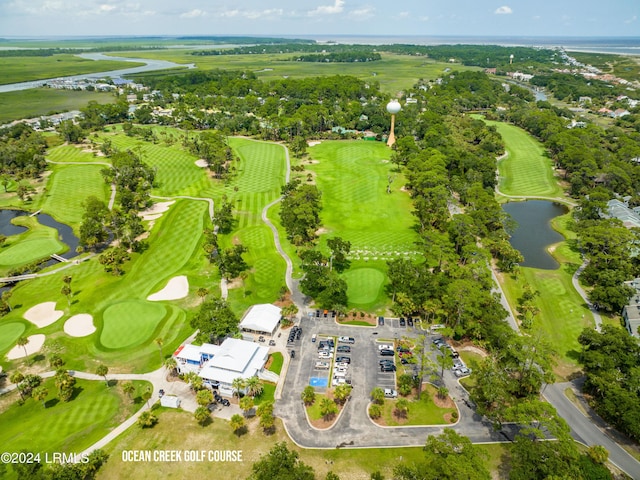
<point>262,319</point>
<point>220,365</point>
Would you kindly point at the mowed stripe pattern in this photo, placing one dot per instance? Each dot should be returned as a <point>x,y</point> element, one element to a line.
<point>68,188</point>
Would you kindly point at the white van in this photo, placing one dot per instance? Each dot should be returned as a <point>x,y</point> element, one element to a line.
<point>314,338</point>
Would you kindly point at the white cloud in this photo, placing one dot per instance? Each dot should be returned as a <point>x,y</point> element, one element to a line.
<point>251,14</point>
<point>504,10</point>
<point>632,19</point>
<point>363,13</point>
<point>196,12</point>
<point>403,15</point>
<point>337,7</point>
<point>106,8</point>
<point>424,18</point>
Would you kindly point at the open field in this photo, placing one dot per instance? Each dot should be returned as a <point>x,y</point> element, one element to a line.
<point>36,102</point>
<point>527,169</point>
<point>66,426</point>
<point>394,73</point>
<point>23,69</point>
<point>352,464</point>
<point>353,177</point>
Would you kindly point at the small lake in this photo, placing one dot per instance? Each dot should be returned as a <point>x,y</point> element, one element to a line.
<point>65,232</point>
<point>534,233</point>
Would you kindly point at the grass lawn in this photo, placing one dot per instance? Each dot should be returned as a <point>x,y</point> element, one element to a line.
<point>36,102</point>
<point>313,410</point>
<point>22,69</point>
<point>353,177</point>
<point>348,463</point>
<point>276,362</point>
<point>67,189</point>
<point>563,313</point>
<point>9,333</point>
<point>527,169</point>
<point>66,426</point>
<point>421,412</point>
<point>268,393</point>
<point>130,323</point>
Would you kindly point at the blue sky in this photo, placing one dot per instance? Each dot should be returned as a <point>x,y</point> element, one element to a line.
<point>586,18</point>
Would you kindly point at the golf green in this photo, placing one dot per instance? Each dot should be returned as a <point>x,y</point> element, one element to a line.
<point>363,285</point>
<point>130,323</point>
<point>29,250</point>
<point>9,333</point>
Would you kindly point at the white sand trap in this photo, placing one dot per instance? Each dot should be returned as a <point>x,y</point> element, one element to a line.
<point>43,314</point>
<point>313,143</point>
<point>202,163</point>
<point>177,287</point>
<point>79,325</point>
<point>34,345</point>
<point>156,208</point>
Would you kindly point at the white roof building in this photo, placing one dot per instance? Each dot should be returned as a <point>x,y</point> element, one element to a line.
<point>219,365</point>
<point>262,318</point>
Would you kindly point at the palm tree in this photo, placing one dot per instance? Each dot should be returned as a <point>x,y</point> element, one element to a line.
<point>102,370</point>
<point>66,289</point>
<point>147,419</point>
<point>204,397</point>
<point>202,293</point>
<point>254,386</point>
<point>40,394</point>
<point>171,365</point>
<point>265,408</point>
<point>402,407</point>
<point>159,342</point>
<point>22,342</point>
<point>202,415</point>
<point>6,295</point>
<point>56,361</point>
<point>128,388</point>
<point>15,378</point>
<point>308,395</point>
<point>237,423</point>
<point>246,404</point>
<point>328,408</point>
<point>377,395</point>
<point>443,392</point>
<point>146,395</point>
<point>238,385</point>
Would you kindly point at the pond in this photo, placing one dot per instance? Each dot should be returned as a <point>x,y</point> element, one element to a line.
<point>65,232</point>
<point>534,233</point>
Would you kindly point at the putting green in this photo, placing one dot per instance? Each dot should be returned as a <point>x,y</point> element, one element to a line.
<point>363,285</point>
<point>9,333</point>
<point>130,323</point>
<point>29,250</point>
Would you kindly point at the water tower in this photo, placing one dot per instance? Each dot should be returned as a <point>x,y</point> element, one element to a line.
<point>393,107</point>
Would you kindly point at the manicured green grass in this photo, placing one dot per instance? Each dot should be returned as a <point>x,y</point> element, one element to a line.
<point>66,426</point>
<point>364,285</point>
<point>173,250</point>
<point>9,333</point>
<point>69,186</point>
<point>353,177</point>
<point>394,72</point>
<point>276,363</point>
<point>37,102</point>
<point>29,250</point>
<point>177,173</point>
<point>22,69</point>
<point>130,323</point>
<point>421,412</point>
<point>260,176</point>
<point>74,153</point>
<point>527,169</point>
<point>268,393</point>
<point>313,410</point>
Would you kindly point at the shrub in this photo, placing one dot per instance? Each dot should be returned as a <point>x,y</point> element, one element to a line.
<point>375,411</point>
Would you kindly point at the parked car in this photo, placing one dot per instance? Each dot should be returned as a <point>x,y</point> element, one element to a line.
<point>347,340</point>
<point>322,365</point>
<point>293,354</point>
<point>386,353</point>
<point>314,337</point>
<point>381,321</point>
<point>324,354</point>
<point>402,348</point>
<point>383,346</point>
<point>343,359</point>
<point>225,402</point>
<point>212,406</point>
<point>389,393</point>
<point>385,361</point>
<point>462,372</point>
<point>344,349</point>
<point>387,368</point>
<point>410,321</point>
<point>272,343</point>
<point>439,342</point>
<point>403,322</point>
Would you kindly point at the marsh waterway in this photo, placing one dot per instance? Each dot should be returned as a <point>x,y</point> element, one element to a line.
<point>534,234</point>
<point>149,66</point>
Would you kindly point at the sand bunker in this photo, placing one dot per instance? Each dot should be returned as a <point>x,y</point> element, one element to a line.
<point>157,208</point>
<point>79,325</point>
<point>34,345</point>
<point>202,163</point>
<point>43,314</point>
<point>313,143</point>
<point>178,287</point>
